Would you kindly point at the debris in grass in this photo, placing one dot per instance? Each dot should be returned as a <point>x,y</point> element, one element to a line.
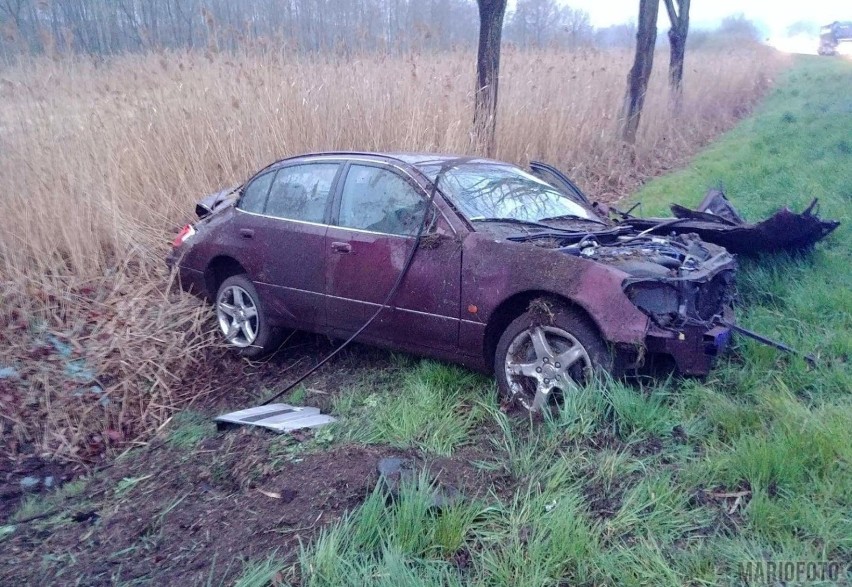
<point>8,373</point>
<point>276,417</point>
<point>737,496</point>
<point>728,494</point>
<point>736,505</point>
<point>717,221</point>
<point>395,472</point>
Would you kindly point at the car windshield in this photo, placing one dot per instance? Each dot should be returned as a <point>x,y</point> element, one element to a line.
<point>490,191</point>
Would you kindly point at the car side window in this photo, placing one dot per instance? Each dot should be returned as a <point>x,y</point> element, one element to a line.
<point>380,200</point>
<point>301,192</point>
<point>254,194</point>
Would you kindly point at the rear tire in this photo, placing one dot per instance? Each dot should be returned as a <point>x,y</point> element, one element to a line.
<point>242,319</point>
<point>548,351</point>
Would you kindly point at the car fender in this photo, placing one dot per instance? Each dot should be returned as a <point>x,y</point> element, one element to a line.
<point>495,270</point>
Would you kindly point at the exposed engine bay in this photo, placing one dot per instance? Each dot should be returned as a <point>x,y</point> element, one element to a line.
<point>678,280</point>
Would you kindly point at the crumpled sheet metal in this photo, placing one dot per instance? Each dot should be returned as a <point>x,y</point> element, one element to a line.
<point>717,221</point>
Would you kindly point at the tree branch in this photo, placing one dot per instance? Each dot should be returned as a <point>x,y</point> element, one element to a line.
<point>673,16</point>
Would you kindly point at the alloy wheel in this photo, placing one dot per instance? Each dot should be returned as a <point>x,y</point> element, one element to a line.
<point>238,316</point>
<point>542,360</point>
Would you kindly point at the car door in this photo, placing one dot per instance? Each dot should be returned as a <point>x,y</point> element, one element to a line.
<point>284,240</point>
<point>378,211</point>
<point>559,180</point>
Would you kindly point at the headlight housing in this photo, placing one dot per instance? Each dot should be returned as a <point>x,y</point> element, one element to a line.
<point>659,300</point>
<point>675,302</point>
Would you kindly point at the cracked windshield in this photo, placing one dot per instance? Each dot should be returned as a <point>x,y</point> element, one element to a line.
<point>492,191</point>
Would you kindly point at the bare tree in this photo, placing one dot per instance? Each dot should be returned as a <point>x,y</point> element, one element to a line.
<point>537,23</point>
<point>491,14</point>
<point>640,73</point>
<point>679,18</point>
<point>619,35</point>
<point>577,24</point>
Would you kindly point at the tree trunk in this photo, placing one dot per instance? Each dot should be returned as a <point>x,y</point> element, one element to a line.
<point>491,14</point>
<point>640,73</point>
<point>677,44</point>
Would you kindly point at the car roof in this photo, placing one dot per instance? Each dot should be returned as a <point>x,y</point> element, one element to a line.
<point>415,159</point>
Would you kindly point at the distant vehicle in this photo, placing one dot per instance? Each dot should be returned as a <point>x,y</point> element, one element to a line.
<point>515,274</point>
<point>832,35</point>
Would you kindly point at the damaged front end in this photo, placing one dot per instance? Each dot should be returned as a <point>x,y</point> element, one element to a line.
<point>686,287</point>
<point>717,221</point>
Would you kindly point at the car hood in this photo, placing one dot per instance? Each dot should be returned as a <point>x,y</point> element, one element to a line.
<point>717,221</point>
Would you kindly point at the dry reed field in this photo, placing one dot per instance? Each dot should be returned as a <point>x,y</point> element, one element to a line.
<point>102,160</point>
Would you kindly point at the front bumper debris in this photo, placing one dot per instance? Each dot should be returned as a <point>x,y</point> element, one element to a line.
<point>693,348</point>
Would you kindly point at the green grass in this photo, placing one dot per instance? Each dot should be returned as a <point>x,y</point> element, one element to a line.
<point>258,573</point>
<point>54,506</point>
<point>393,541</point>
<point>631,486</point>
<point>189,428</point>
<point>430,406</point>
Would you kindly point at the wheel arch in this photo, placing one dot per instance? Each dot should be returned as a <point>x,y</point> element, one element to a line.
<point>514,306</point>
<point>218,270</point>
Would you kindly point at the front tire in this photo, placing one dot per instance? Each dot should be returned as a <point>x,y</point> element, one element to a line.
<point>241,319</point>
<point>548,351</point>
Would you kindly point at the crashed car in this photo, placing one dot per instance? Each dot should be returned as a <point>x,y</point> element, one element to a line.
<point>468,260</point>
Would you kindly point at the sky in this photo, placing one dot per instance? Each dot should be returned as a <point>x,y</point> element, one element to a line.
<point>774,15</point>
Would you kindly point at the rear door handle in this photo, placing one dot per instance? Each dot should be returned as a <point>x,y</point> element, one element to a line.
<point>341,247</point>
<point>246,233</point>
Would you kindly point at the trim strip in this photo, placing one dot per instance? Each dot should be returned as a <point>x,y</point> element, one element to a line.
<point>373,304</point>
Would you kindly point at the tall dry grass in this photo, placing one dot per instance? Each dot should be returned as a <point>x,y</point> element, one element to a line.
<point>101,160</point>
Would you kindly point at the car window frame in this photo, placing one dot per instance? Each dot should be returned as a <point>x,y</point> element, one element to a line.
<point>399,172</point>
<point>332,194</point>
<point>253,179</point>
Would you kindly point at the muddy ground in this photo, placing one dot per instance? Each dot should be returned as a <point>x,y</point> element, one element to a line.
<point>177,517</point>
<point>183,509</point>
<point>196,503</point>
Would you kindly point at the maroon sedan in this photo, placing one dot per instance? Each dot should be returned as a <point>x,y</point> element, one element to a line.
<point>506,271</point>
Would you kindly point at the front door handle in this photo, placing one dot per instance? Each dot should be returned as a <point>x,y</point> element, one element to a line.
<point>341,247</point>
<point>246,233</point>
